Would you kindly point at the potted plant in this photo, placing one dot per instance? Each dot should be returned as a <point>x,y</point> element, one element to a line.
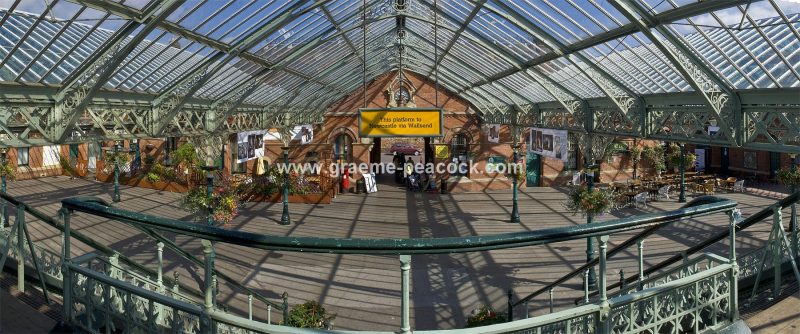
<point>7,170</point>
<point>675,158</point>
<point>636,157</point>
<point>656,156</point>
<point>67,168</point>
<point>484,316</point>
<point>310,315</point>
<point>592,203</point>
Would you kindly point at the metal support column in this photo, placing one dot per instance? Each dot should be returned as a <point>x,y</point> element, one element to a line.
<point>792,219</point>
<point>640,284</point>
<point>405,267</point>
<point>734,278</point>
<point>515,207</point>
<point>605,308</point>
<point>285,219</point>
<point>589,221</point>
<point>116,198</point>
<point>3,211</point>
<point>682,168</point>
<point>209,194</point>
<point>208,289</point>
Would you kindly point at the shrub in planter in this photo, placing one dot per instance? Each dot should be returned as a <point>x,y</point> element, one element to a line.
<point>310,315</point>
<point>223,204</point>
<point>484,316</point>
<point>152,177</point>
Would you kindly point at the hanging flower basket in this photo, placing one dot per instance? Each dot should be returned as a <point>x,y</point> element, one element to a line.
<point>110,158</point>
<point>592,203</point>
<point>223,203</point>
<point>8,170</point>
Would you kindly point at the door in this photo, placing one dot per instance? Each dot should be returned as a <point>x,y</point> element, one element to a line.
<point>533,173</point>
<point>774,163</point>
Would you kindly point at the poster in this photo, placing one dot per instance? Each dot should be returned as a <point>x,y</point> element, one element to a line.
<point>548,142</point>
<point>442,152</point>
<point>700,163</point>
<point>249,145</point>
<point>306,134</point>
<point>493,133</point>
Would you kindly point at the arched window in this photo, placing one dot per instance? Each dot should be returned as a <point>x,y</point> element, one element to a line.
<point>459,149</point>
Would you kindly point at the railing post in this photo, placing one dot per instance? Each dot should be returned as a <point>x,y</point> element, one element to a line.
<point>527,311</point>
<point>21,248</point>
<point>65,259</point>
<point>777,259</point>
<point>269,314</point>
<point>510,305</point>
<point>160,278</point>
<point>734,277</point>
<point>250,306</point>
<point>176,288</point>
<point>285,297</point>
<point>208,252</point>
<point>622,280</point>
<point>215,285</point>
<point>604,306</point>
<point>586,286</point>
<point>405,267</point>
<point>641,264</point>
<point>551,300</point>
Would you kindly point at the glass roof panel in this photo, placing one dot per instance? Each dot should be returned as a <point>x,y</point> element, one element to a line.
<point>569,76</point>
<point>527,87</point>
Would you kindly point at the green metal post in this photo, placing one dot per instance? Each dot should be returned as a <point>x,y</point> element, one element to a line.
<point>734,278</point>
<point>3,210</point>
<point>604,306</point>
<point>160,278</point>
<point>682,168</point>
<point>589,221</point>
<point>285,219</point>
<point>510,299</point>
<point>793,218</point>
<point>208,251</point>
<point>405,320</point>
<point>515,207</point>
<point>640,243</point>
<point>21,249</point>
<point>116,198</point>
<point>65,259</point>
<point>285,297</point>
<point>777,259</point>
<point>209,194</point>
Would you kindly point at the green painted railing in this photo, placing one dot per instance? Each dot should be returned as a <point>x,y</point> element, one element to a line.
<point>142,275</point>
<point>603,316</point>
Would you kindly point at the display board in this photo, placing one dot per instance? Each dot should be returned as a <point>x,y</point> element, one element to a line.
<point>400,122</point>
<point>369,182</point>
<point>548,142</point>
<point>249,145</point>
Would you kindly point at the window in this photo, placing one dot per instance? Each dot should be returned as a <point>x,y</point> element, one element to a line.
<point>342,148</point>
<point>22,156</point>
<point>170,145</point>
<point>235,166</point>
<point>572,152</point>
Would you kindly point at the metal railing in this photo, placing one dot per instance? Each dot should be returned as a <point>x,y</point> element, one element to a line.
<point>48,264</point>
<point>749,263</point>
<point>718,306</point>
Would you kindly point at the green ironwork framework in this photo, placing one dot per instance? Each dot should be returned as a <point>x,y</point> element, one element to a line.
<point>81,70</point>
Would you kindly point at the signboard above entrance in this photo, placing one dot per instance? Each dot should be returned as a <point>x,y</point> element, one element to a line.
<point>400,122</point>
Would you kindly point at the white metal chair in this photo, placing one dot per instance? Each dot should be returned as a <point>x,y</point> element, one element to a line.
<point>640,198</point>
<point>738,186</point>
<point>664,192</point>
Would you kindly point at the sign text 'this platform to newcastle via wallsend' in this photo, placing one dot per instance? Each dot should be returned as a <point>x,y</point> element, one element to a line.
<point>405,122</point>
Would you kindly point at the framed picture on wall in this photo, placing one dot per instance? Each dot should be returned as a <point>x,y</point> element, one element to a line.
<point>750,160</point>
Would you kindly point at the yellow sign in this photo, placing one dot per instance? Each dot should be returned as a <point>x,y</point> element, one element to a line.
<point>442,152</point>
<point>406,122</point>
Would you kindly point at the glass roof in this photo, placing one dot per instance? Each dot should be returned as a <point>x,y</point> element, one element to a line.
<point>498,52</point>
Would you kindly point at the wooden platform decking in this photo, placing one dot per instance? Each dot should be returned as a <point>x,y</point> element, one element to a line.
<point>364,290</point>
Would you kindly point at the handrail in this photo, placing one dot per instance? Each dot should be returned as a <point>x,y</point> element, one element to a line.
<point>95,206</point>
<point>110,251</point>
<point>741,225</point>
<point>697,202</point>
